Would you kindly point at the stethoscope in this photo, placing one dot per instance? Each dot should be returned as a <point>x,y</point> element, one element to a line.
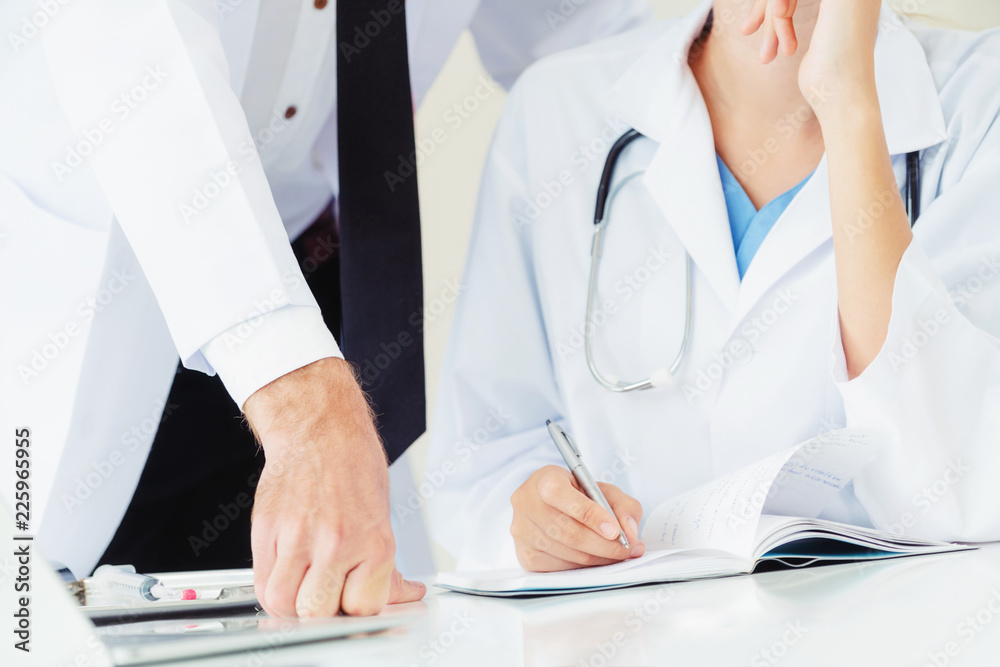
<point>663,376</point>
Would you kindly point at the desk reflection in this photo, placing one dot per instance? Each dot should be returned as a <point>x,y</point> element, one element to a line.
<point>939,611</point>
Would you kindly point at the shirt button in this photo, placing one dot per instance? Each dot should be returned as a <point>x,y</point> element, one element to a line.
<point>290,111</point>
<point>320,4</point>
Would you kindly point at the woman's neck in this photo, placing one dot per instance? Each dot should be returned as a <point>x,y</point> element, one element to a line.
<point>765,129</point>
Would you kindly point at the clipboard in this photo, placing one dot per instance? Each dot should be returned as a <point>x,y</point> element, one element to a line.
<point>224,619</point>
<point>159,641</point>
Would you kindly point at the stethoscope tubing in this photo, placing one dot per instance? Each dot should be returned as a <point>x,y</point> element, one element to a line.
<point>605,195</point>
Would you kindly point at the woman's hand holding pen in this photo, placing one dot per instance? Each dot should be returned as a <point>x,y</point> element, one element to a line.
<point>557,527</point>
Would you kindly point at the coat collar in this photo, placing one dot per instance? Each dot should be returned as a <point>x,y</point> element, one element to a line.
<point>659,96</point>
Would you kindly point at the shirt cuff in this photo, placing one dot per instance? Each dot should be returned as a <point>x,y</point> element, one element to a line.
<point>258,351</point>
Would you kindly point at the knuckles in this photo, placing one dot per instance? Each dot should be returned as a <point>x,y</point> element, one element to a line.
<point>529,559</point>
<point>359,607</point>
<point>281,601</point>
<point>303,537</point>
<point>590,560</point>
<point>517,530</point>
<point>317,603</point>
<point>550,484</point>
<point>547,489</point>
<point>327,546</point>
<point>592,514</point>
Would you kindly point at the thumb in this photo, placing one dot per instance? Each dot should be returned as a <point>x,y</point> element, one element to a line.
<point>402,590</point>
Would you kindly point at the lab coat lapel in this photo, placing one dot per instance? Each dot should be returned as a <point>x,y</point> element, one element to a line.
<point>659,96</point>
<point>911,107</point>
<point>683,180</point>
<point>804,226</point>
<point>913,120</point>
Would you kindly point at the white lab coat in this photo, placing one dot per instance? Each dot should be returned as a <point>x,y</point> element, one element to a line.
<point>766,367</point>
<point>118,115</point>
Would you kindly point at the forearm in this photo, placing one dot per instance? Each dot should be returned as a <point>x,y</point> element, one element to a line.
<point>870,226</point>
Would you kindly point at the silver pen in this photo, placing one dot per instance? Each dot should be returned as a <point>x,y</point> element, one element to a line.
<point>582,475</point>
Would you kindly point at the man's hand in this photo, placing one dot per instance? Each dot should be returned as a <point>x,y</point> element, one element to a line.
<point>321,537</point>
<point>557,527</point>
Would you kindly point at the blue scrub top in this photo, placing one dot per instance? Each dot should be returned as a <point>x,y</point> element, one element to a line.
<point>748,225</point>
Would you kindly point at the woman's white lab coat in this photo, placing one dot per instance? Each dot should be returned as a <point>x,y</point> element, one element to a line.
<point>766,367</point>
<point>154,159</point>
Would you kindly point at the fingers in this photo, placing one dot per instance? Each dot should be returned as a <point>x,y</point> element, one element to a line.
<point>263,547</point>
<point>629,513</point>
<point>785,35</point>
<point>564,529</point>
<point>320,592</point>
<point>555,541</point>
<point>773,18</point>
<point>283,584</point>
<point>558,492</point>
<point>784,28</point>
<point>782,8</point>
<point>402,590</point>
<point>293,579</point>
<point>768,40</point>
<point>538,561</point>
<point>755,19</point>
<point>366,590</point>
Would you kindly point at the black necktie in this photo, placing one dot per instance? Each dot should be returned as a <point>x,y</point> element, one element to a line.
<point>380,266</point>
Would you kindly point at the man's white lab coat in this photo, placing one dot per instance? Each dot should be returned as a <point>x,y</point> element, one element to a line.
<point>141,145</point>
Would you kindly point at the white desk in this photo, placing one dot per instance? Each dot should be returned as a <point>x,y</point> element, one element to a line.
<point>906,612</point>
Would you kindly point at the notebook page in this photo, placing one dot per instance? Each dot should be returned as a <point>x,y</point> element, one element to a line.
<point>719,515</point>
<point>724,514</point>
<point>820,469</point>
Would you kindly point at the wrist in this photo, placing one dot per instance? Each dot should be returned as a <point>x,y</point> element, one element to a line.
<point>847,107</point>
<point>294,408</point>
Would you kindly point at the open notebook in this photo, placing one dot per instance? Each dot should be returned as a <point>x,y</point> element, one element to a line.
<point>763,512</point>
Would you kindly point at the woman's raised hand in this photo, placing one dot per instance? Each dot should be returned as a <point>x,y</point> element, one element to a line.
<point>774,19</point>
<point>841,49</point>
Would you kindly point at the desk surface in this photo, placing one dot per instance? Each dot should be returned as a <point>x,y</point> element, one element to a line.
<point>929,610</point>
